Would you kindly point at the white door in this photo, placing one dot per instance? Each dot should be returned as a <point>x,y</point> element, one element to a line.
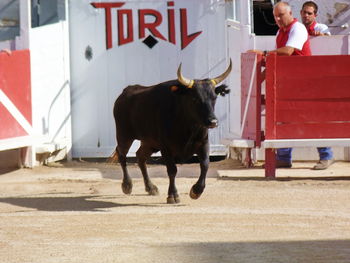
<point>234,51</point>
<point>111,47</point>
<point>238,31</point>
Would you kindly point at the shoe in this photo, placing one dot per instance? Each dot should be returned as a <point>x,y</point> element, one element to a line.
<point>281,164</point>
<point>323,164</point>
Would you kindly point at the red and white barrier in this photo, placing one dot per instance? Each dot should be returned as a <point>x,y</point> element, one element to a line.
<point>307,102</point>
<point>15,101</point>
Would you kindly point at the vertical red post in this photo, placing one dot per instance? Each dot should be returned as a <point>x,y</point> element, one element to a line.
<point>270,163</point>
<point>259,80</point>
<point>270,121</point>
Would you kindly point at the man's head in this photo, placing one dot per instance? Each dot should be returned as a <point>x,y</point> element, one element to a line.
<point>282,13</point>
<point>308,12</point>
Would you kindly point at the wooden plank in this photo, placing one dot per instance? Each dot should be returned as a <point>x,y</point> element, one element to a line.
<point>313,65</point>
<point>239,143</point>
<point>314,88</point>
<point>260,80</point>
<point>270,163</point>
<point>312,111</point>
<point>308,97</point>
<point>281,143</point>
<point>251,97</point>
<point>312,130</point>
<point>270,127</point>
<point>14,143</point>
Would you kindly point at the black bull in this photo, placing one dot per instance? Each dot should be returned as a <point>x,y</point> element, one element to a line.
<point>172,117</point>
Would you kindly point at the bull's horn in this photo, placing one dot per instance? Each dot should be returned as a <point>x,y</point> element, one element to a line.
<point>186,82</point>
<point>223,76</point>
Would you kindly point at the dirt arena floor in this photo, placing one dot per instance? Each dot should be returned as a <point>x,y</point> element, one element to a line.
<point>76,212</point>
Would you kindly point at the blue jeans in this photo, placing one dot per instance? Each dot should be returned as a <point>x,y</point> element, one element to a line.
<point>285,154</point>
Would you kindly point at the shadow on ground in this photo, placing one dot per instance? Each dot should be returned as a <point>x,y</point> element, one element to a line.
<point>335,251</point>
<point>79,203</point>
<point>155,169</point>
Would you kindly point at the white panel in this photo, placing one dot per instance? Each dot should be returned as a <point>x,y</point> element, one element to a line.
<point>51,82</point>
<point>96,83</point>
<point>234,38</point>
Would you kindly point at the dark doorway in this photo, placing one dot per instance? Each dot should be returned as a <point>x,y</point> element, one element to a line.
<point>264,22</point>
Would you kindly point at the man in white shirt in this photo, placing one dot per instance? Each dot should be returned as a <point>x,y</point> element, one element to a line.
<point>308,15</point>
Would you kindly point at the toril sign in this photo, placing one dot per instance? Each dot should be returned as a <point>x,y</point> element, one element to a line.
<point>126,31</point>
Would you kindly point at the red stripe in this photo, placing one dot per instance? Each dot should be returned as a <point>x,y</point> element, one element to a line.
<point>15,83</point>
<point>9,128</point>
<point>15,80</point>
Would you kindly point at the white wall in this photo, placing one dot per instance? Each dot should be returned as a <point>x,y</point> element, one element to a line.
<point>49,49</point>
<point>97,82</point>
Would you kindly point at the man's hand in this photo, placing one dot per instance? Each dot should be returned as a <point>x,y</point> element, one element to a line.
<point>256,51</point>
<point>316,34</point>
<point>6,51</point>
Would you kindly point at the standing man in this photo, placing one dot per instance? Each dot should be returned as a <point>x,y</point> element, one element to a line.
<point>308,15</point>
<point>292,39</point>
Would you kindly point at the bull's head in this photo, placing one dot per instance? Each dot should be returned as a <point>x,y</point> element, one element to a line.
<point>203,95</point>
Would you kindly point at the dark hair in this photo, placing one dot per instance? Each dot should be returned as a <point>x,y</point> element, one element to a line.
<point>312,4</point>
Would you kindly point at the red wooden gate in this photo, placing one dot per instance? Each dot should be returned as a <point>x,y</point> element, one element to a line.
<point>307,102</point>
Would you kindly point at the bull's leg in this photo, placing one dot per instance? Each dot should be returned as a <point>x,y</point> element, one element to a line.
<point>143,153</point>
<point>198,188</point>
<point>173,196</point>
<point>122,149</point>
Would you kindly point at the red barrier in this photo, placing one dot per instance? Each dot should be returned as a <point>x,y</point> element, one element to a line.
<point>307,98</point>
<point>15,94</point>
<point>251,79</point>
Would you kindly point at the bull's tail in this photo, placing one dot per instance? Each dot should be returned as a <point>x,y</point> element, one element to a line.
<point>114,158</point>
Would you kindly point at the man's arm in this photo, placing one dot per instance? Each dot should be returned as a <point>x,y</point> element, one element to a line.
<point>283,51</point>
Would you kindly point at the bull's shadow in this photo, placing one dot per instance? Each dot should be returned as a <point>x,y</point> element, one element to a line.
<point>66,203</point>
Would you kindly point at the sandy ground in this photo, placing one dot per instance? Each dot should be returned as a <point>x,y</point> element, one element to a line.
<point>76,212</point>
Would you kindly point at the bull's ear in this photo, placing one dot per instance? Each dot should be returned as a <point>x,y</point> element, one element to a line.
<point>222,90</point>
<point>179,89</point>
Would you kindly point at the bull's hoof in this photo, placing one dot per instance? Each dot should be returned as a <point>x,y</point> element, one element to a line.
<point>193,193</point>
<point>152,190</point>
<point>173,199</point>
<point>127,187</point>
